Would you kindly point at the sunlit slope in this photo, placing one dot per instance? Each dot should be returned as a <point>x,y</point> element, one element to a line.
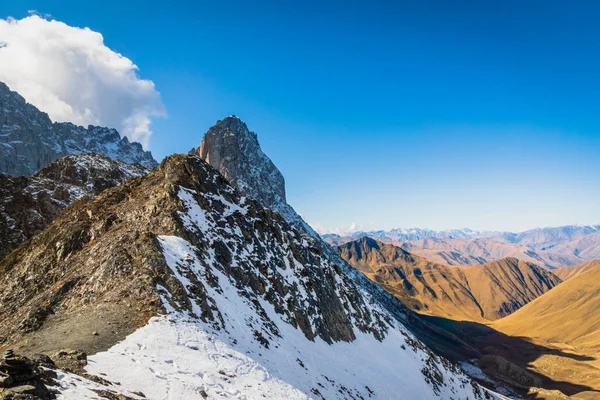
<point>569,315</point>
<point>477,293</point>
<point>571,272</point>
<point>504,286</point>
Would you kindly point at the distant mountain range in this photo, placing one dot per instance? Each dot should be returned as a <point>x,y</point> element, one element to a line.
<point>539,238</point>
<point>549,247</point>
<point>477,293</point>
<point>29,140</point>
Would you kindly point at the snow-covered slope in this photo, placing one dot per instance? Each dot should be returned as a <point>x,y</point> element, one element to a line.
<point>243,304</point>
<point>29,140</point>
<point>278,341</point>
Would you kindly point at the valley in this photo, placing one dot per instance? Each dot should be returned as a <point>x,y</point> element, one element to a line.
<point>477,293</point>
<point>180,262</point>
<point>519,323</point>
<point>294,200</point>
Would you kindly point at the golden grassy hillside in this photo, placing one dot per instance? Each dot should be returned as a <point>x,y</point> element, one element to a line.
<point>475,293</point>
<point>570,272</point>
<point>568,315</point>
<point>567,319</point>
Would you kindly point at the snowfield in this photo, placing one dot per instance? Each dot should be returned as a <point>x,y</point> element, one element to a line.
<point>253,351</point>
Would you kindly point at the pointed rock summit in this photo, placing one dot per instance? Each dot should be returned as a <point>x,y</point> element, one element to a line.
<point>233,150</point>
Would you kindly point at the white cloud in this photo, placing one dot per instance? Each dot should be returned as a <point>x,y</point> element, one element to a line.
<point>69,73</point>
<point>341,230</point>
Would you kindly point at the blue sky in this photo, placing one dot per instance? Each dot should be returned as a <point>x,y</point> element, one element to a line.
<point>437,114</point>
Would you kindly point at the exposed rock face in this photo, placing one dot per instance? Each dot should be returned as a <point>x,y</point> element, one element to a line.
<point>29,204</point>
<point>22,378</point>
<point>181,240</point>
<point>105,231</point>
<point>233,150</point>
<point>29,139</point>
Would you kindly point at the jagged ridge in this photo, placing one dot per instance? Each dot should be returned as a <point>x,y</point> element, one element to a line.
<point>29,140</point>
<point>29,204</point>
<point>231,274</point>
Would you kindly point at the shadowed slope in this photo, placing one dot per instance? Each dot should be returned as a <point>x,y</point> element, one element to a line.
<point>567,318</point>
<point>551,367</point>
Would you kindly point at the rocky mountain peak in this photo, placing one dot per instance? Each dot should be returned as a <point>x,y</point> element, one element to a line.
<point>231,148</point>
<point>29,140</point>
<point>234,124</point>
<point>180,265</point>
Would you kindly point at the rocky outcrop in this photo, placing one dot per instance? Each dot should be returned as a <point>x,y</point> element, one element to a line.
<point>29,204</point>
<point>233,150</point>
<point>23,378</point>
<point>29,140</point>
<point>508,372</point>
<point>182,241</point>
<point>39,377</point>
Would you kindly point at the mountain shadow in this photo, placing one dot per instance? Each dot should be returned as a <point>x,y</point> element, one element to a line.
<point>510,360</point>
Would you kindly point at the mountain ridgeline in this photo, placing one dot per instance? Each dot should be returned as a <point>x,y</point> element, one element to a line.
<point>30,203</point>
<point>29,140</point>
<point>185,283</point>
<point>477,293</point>
<point>551,248</point>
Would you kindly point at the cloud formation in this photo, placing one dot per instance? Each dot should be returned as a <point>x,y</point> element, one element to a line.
<point>341,230</point>
<point>69,73</point>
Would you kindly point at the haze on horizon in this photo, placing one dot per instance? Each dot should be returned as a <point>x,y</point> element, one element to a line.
<point>379,116</point>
